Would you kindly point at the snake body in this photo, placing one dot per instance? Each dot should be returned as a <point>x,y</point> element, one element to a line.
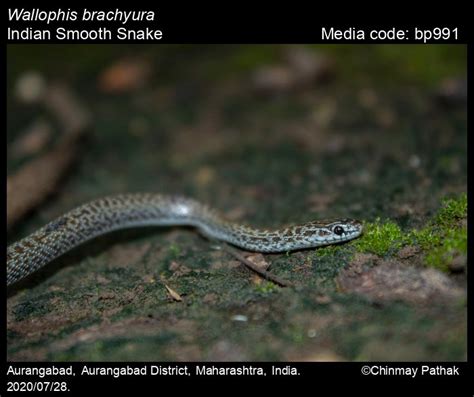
<point>147,209</point>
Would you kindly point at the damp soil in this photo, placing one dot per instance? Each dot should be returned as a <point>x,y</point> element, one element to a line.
<point>379,137</point>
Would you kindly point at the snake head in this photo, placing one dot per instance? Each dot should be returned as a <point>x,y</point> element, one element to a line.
<point>335,231</point>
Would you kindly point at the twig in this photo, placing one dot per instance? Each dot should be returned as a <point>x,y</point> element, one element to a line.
<point>263,273</point>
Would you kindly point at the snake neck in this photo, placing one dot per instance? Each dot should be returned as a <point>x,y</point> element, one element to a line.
<point>259,240</point>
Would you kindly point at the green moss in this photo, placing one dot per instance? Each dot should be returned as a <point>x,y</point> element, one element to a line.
<point>452,210</point>
<point>174,251</point>
<point>329,250</point>
<point>442,239</point>
<point>381,238</point>
<point>426,238</point>
<point>454,243</point>
<point>266,287</point>
<point>297,335</point>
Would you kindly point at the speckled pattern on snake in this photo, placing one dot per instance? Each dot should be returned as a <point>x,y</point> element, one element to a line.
<point>147,209</point>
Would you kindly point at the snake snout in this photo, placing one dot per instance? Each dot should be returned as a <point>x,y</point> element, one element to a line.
<point>357,225</point>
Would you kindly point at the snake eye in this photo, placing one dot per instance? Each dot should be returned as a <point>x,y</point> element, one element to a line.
<point>338,230</point>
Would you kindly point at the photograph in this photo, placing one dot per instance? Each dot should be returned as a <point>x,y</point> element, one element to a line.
<point>236,202</point>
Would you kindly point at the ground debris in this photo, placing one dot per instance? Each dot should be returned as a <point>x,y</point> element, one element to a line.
<point>392,280</point>
<point>174,294</point>
<point>408,251</point>
<point>259,261</point>
<point>179,269</point>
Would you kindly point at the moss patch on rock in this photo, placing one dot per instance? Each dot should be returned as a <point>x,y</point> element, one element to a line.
<point>445,236</point>
<point>381,238</point>
<point>442,239</point>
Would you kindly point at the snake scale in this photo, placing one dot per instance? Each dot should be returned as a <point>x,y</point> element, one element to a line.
<point>148,209</point>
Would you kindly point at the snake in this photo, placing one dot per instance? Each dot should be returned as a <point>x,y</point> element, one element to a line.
<point>129,210</point>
